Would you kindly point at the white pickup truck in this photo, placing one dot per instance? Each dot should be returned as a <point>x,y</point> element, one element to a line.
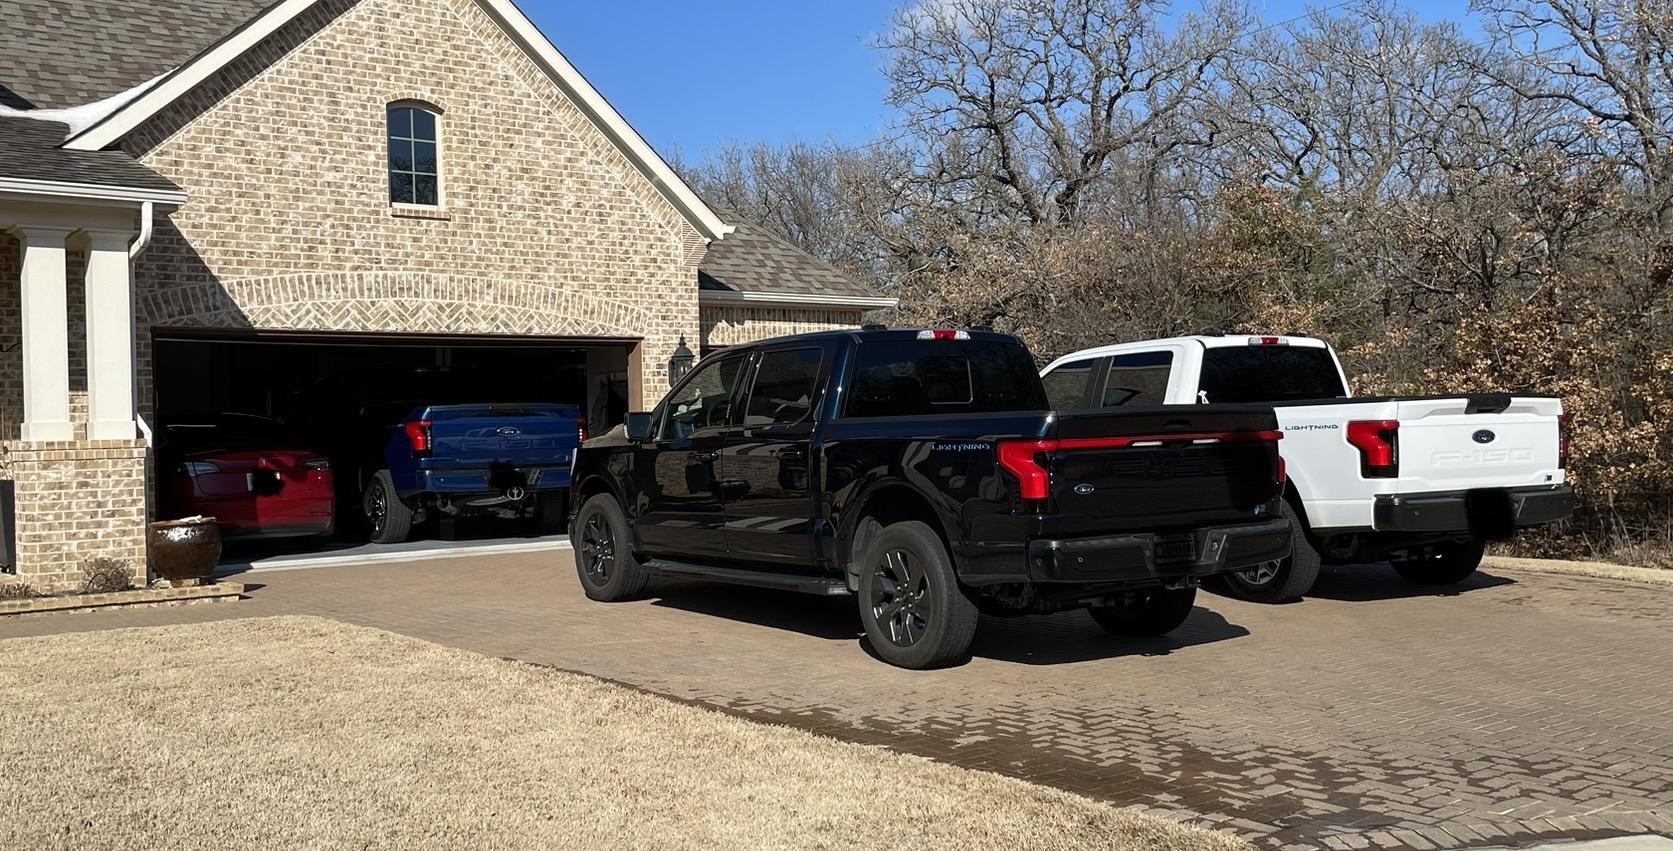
<point>1419,482</point>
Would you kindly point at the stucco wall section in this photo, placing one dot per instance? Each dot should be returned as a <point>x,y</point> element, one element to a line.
<point>729,326</point>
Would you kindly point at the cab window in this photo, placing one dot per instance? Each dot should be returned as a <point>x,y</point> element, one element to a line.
<point>1066,385</point>
<point>783,390</point>
<point>703,401</point>
<point>1138,379</point>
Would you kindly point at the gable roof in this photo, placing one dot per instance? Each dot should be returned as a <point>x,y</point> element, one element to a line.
<point>197,58</point>
<point>753,265</point>
<point>64,53</point>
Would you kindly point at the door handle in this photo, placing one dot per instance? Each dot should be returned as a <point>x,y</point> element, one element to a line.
<point>703,457</point>
<point>790,453</point>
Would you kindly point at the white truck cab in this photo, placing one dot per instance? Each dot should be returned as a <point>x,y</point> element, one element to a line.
<point>1420,482</point>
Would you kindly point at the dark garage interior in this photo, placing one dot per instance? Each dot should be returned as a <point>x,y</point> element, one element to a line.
<point>320,393</point>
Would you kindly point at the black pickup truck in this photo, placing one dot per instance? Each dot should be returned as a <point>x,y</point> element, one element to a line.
<point>924,473</point>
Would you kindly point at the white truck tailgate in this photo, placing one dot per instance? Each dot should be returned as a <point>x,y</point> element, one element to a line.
<point>1444,446</point>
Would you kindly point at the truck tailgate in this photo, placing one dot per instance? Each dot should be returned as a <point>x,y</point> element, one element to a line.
<point>1477,442</point>
<point>1162,468</point>
<point>516,435</point>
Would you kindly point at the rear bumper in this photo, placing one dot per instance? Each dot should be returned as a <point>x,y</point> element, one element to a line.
<point>480,481</point>
<point>1134,559</point>
<point>1487,511</point>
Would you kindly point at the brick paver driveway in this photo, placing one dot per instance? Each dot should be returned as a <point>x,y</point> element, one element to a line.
<point>1373,714</point>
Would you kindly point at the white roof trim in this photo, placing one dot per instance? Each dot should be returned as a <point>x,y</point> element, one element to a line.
<point>124,195</point>
<point>183,79</point>
<point>729,298</point>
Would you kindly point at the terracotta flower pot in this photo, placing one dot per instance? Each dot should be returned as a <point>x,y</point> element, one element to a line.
<point>185,551</point>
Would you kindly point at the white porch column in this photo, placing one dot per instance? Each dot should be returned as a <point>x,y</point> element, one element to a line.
<point>110,337</point>
<point>46,334</point>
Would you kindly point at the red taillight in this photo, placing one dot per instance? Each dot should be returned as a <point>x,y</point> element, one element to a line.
<point>1022,459</point>
<point>1283,471</point>
<point>1562,441</point>
<point>1378,442</point>
<point>581,429</point>
<point>418,434</point>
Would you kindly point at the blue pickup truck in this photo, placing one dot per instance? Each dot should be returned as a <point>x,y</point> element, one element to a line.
<point>505,460</point>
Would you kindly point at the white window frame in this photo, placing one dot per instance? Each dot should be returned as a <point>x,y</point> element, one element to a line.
<point>441,167</point>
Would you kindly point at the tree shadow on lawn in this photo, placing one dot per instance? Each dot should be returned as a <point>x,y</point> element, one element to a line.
<point>1053,639</point>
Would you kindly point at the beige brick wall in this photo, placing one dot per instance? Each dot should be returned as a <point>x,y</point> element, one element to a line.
<point>78,501</point>
<point>729,326</point>
<point>547,228</point>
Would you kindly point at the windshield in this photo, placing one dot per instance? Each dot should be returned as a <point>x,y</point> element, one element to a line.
<point>1269,374</point>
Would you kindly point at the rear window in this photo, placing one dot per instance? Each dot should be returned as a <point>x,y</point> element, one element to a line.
<point>1269,374</point>
<point>915,378</point>
<point>1066,385</point>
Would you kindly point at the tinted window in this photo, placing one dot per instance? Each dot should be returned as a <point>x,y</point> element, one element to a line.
<point>1066,385</point>
<point>783,391</point>
<point>1269,374</point>
<point>1138,379</point>
<point>704,401</point>
<point>908,377</point>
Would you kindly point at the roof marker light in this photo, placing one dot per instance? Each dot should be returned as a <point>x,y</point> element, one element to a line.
<point>1268,341</point>
<point>943,334</point>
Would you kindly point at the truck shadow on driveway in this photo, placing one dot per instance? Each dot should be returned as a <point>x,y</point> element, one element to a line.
<point>1369,583</point>
<point>1061,638</point>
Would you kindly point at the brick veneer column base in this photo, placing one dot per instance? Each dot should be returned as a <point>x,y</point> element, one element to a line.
<point>78,501</point>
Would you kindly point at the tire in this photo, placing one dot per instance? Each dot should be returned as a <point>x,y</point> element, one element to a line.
<point>548,516</point>
<point>604,559</point>
<point>1280,581</point>
<point>390,516</point>
<point>914,611</point>
<point>1145,613</point>
<point>1443,564</point>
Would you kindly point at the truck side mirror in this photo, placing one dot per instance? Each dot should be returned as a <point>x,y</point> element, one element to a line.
<point>639,426</point>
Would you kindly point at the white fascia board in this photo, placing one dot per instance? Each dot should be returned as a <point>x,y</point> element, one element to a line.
<point>88,192</point>
<point>606,118</point>
<point>726,298</point>
<point>121,122</point>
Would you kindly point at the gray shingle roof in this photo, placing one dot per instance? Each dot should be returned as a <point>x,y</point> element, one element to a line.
<point>753,259</point>
<point>29,150</point>
<point>58,53</point>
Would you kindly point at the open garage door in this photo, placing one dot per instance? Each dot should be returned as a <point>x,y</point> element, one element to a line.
<point>288,435</point>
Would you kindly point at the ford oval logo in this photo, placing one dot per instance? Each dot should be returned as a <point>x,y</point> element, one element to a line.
<point>1483,436</point>
<point>1084,488</point>
<point>513,431</point>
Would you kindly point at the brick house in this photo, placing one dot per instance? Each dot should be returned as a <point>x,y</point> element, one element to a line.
<point>178,180</point>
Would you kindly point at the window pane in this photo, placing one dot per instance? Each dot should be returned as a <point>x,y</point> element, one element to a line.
<point>705,401</point>
<point>1269,374</point>
<point>976,376</point>
<point>424,157</point>
<point>1138,379</point>
<point>423,125</point>
<point>783,391</point>
<point>1066,385</point>
<point>424,190</point>
<point>400,187</point>
<point>400,155</point>
<point>400,121</point>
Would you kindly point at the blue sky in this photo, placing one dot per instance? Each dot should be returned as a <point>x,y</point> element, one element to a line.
<point>691,76</point>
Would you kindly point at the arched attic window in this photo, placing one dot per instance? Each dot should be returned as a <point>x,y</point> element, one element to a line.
<point>414,154</point>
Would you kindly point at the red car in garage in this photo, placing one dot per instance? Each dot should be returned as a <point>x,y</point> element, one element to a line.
<point>249,473</point>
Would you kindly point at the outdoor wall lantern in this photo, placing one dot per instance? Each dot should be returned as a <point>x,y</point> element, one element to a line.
<point>679,363</point>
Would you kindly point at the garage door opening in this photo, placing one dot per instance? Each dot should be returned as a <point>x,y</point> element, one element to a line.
<point>294,438</point>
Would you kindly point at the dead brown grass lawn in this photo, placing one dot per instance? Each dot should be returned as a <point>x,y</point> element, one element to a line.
<point>308,733</point>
